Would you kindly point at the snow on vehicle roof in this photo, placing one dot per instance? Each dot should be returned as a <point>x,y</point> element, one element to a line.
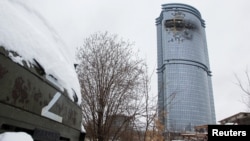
<point>26,32</point>
<point>15,136</point>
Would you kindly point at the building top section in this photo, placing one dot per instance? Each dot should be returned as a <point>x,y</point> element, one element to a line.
<point>180,7</point>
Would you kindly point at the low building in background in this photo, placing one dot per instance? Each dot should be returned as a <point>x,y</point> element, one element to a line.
<point>241,118</point>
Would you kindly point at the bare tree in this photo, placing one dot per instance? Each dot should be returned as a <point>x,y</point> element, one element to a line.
<point>245,87</point>
<point>111,78</point>
<point>149,124</point>
<point>147,111</point>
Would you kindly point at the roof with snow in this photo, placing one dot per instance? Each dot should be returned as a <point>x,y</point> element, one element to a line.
<point>15,136</point>
<point>25,32</point>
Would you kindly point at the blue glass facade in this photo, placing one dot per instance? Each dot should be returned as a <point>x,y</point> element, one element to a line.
<point>185,94</point>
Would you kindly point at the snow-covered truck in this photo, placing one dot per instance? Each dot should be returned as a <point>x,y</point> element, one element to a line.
<point>31,103</point>
<point>39,88</point>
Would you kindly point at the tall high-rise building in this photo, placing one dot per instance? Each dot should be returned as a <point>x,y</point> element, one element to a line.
<point>185,94</point>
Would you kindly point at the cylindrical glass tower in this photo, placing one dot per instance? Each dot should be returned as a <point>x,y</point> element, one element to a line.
<point>185,95</point>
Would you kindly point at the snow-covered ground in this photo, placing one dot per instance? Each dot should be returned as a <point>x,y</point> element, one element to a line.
<point>15,136</point>
<point>25,31</point>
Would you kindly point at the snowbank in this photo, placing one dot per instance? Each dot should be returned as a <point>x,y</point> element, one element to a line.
<point>25,31</point>
<point>15,136</point>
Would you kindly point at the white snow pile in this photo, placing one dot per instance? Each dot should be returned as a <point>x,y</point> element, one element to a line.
<point>15,136</point>
<point>25,31</point>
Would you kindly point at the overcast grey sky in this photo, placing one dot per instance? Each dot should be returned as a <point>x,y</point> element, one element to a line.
<point>227,30</point>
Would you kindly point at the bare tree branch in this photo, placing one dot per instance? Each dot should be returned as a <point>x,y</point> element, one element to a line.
<point>245,87</point>
<point>111,78</point>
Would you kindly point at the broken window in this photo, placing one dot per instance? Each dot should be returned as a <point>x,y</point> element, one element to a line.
<point>178,24</point>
